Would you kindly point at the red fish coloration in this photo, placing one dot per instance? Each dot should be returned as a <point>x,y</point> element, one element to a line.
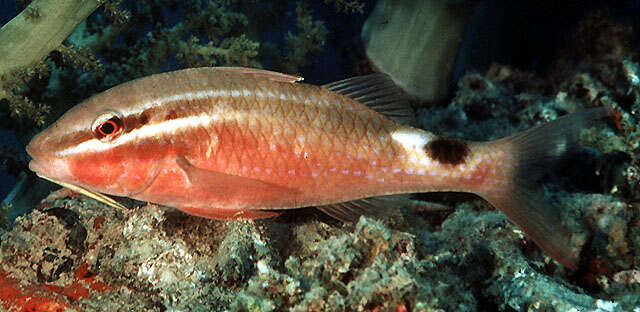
<point>244,143</point>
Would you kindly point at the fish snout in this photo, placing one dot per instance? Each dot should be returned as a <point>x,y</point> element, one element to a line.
<point>43,160</point>
<point>36,146</point>
<point>54,168</point>
<point>35,150</point>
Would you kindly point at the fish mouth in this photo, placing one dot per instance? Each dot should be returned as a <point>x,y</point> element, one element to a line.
<point>33,166</point>
<point>58,168</point>
<point>50,168</point>
<point>94,195</point>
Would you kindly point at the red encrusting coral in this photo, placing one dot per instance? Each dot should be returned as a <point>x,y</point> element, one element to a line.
<point>14,296</point>
<point>17,297</point>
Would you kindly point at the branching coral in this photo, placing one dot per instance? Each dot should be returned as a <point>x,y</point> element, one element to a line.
<point>27,40</point>
<point>206,37</point>
<point>310,39</point>
<point>20,106</point>
<point>348,6</point>
<point>80,57</point>
<point>207,33</point>
<point>40,28</point>
<point>237,50</point>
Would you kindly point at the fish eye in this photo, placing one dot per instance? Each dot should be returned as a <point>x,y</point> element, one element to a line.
<point>107,125</point>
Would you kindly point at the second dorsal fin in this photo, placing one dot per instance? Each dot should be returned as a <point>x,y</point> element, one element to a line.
<point>379,93</point>
<point>261,73</point>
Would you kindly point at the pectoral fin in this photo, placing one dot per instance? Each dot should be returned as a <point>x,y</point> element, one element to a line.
<point>237,191</point>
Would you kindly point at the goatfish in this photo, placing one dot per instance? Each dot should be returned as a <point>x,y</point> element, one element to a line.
<point>229,142</point>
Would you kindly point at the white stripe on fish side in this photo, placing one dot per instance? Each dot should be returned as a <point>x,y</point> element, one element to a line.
<point>167,127</point>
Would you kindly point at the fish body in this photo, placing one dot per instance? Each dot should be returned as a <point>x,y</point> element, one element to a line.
<point>221,140</point>
<point>234,142</point>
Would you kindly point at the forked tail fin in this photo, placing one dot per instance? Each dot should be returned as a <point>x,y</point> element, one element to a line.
<point>534,151</point>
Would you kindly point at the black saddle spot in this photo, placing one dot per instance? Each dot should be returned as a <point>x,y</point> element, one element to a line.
<point>448,151</point>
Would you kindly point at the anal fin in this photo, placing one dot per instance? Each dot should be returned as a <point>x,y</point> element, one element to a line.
<point>227,214</point>
<point>381,206</point>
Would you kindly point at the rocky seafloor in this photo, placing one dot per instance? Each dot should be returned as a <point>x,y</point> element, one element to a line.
<point>73,253</point>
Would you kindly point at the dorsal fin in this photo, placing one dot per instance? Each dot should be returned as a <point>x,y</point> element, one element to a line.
<point>262,74</point>
<point>379,93</point>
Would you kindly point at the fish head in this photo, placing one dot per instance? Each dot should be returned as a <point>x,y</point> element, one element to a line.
<point>92,146</point>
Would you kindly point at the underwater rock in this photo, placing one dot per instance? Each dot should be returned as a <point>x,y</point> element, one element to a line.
<point>512,281</point>
<point>370,267</point>
<point>609,219</point>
